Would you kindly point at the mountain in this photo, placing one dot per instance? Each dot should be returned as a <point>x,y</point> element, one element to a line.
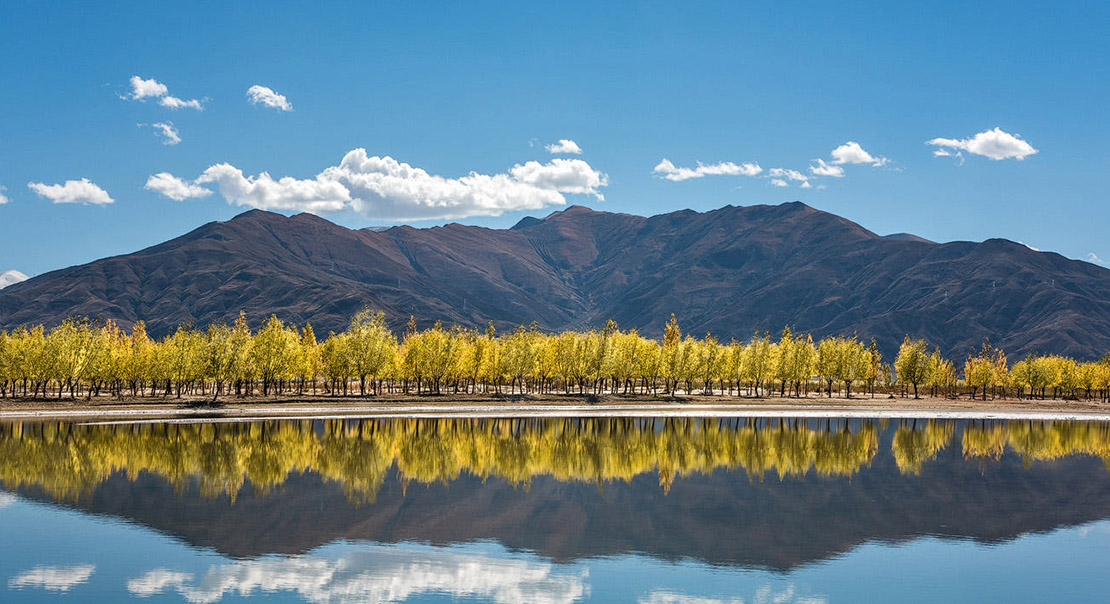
<point>907,237</point>
<point>728,271</point>
<point>11,278</point>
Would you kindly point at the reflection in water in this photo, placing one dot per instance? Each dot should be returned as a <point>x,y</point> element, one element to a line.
<point>380,574</point>
<point>764,595</point>
<point>547,510</point>
<point>912,447</point>
<point>52,578</point>
<point>68,460</point>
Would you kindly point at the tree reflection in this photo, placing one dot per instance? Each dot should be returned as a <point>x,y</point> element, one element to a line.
<point>69,460</point>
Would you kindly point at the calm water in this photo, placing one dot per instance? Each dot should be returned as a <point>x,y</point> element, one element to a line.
<point>686,511</point>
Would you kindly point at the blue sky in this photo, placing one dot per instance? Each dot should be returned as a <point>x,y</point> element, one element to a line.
<point>418,98</point>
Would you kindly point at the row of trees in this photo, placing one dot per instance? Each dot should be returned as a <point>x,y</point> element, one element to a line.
<point>79,358</point>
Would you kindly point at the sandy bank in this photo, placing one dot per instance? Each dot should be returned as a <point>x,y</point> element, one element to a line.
<point>104,410</point>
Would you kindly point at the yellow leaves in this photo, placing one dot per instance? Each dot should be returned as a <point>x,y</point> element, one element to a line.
<point>608,359</point>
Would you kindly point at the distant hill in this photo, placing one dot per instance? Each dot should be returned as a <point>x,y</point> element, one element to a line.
<point>729,271</point>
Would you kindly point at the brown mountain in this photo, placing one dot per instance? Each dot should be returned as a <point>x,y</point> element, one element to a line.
<point>729,271</point>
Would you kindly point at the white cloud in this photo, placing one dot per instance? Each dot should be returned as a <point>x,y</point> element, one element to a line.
<point>790,174</point>
<point>825,169</point>
<point>10,277</point>
<point>141,89</point>
<point>852,153</point>
<point>1094,259</point>
<point>384,574</point>
<point>318,196</point>
<point>166,130</point>
<point>173,187</point>
<point>266,96</point>
<point>3,198</point>
<point>780,177</point>
<point>807,185</point>
<point>563,175</point>
<point>995,144</point>
<point>942,153</point>
<point>386,189</point>
<point>73,191</point>
<point>53,578</point>
<point>175,103</point>
<point>564,146</point>
<point>667,169</point>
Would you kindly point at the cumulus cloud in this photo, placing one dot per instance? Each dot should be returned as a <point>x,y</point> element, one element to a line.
<point>563,175</point>
<point>318,196</point>
<point>563,147</point>
<point>262,95</point>
<point>380,574</point>
<point>3,198</point>
<point>53,578</point>
<point>667,169</point>
<point>1094,259</point>
<point>852,153</point>
<point>141,89</point>
<point>145,89</point>
<point>175,188</point>
<point>826,169</point>
<point>167,131</point>
<point>780,177</point>
<point>995,144</point>
<point>72,191</point>
<point>384,188</point>
<point>175,103</point>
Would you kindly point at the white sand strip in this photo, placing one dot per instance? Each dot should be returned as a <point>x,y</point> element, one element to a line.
<point>249,414</point>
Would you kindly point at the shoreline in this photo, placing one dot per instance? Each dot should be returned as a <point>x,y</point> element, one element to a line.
<point>488,407</point>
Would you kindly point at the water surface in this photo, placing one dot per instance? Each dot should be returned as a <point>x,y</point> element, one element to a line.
<point>556,510</point>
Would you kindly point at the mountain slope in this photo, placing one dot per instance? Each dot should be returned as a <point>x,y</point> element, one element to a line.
<point>729,271</point>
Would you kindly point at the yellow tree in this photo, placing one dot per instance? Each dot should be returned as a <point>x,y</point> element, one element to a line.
<point>986,369</point>
<point>311,363</point>
<point>912,363</point>
<point>370,346</point>
<point>760,360</point>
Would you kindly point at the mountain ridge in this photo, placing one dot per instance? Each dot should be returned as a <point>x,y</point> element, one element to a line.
<point>729,271</point>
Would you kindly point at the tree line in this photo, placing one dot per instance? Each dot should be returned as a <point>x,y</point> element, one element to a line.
<point>83,358</point>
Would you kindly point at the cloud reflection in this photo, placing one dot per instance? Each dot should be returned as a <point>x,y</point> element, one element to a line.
<point>381,575</point>
<point>764,595</point>
<point>53,578</point>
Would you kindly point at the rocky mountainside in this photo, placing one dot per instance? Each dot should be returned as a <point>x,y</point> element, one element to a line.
<point>729,271</point>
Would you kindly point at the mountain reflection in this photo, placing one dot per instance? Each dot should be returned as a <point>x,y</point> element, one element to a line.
<point>738,492</point>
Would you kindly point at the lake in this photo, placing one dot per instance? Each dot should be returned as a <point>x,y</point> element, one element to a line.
<point>679,511</point>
